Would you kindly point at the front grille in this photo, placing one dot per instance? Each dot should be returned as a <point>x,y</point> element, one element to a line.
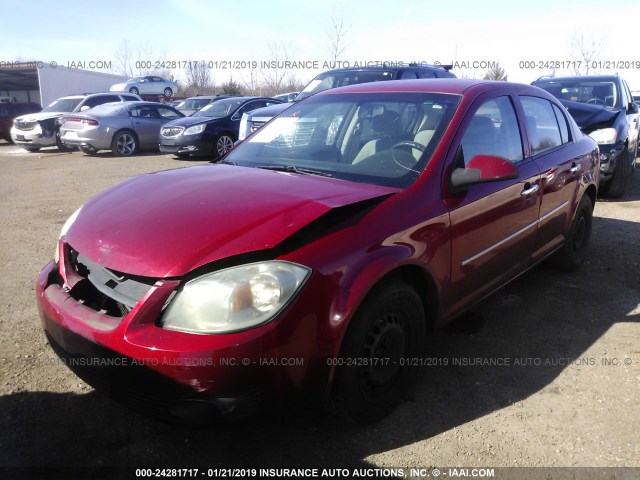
<point>300,137</point>
<point>24,125</point>
<point>107,291</point>
<point>171,131</point>
<point>256,125</point>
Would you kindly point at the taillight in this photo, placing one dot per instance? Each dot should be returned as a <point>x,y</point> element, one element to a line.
<point>84,121</point>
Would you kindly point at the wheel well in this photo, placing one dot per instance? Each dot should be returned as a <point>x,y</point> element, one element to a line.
<point>425,287</point>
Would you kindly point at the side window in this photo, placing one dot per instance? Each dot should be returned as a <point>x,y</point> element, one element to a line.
<point>167,113</point>
<point>493,130</point>
<point>542,125</point>
<point>629,96</point>
<point>562,123</point>
<point>129,98</point>
<point>135,112</point>
<point>408,74</point>
<point>251,106</point>
<point>426,73</point>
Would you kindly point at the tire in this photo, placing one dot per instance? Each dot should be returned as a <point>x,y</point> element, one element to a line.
<point>181,156</point>
<point>390,324</point>
<point>124,144</point>
<point>617,184</point>
<point>134,90</point>
<point>61,146</point>
<point>88,151</point>
<point>576,245</point>
<point>168,93</point>
<point>223,143</point>
<point>31,149</point>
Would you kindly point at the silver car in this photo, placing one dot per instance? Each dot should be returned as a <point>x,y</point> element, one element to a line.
<point>123,128</point>
<point>148,85</point>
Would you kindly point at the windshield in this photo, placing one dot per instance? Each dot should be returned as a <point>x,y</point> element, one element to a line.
<point>380,139</point>
<point>595,92</point>
<point>325,81</point>
<point>63,105</point>
<point>221,108</point>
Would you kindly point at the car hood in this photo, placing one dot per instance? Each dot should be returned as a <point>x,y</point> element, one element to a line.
<point>168,223</point>
<point>190,121</point>
<point>38,117</point>
<point>590,117</point>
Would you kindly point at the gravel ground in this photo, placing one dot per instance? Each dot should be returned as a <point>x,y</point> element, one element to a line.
<point>569,397</point>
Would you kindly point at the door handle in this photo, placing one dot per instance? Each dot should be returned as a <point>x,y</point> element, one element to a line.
<point>528,190</point>
<point>575,168</point>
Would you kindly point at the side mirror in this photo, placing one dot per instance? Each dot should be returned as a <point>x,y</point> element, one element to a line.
<point>235,117</point>
<point>483,169</point>
<point>633,108</point>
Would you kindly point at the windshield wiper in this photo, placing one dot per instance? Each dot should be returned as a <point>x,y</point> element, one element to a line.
<point>294,169</point>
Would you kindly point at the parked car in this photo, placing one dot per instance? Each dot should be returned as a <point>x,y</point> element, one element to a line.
<point>37,130</point>
<point>604,109</point>
<point>319,253</point>
<point>9,111</point>
<point>147,85</point>
<point>342,77</point>
<point>123,128</point>
<point>287,97</point>
<point>210,131</point>
<point>193,104</point>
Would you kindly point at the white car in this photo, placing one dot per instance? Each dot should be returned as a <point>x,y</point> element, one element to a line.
<point>37,130</point>
<point>148,85</point>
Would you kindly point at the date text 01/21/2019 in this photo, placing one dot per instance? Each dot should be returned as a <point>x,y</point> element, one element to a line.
<point>577,64</point>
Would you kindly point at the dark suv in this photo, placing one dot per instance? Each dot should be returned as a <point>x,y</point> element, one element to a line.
<point>604,109</point>
<point>340,78</point>
<point>11,110</point>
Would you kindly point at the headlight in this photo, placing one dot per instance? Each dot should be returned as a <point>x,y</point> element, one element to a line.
<point>604,136</point>
<point>234,299</point>
<point>243,126</point>
<point>63,231</point>
<point>194,130</point>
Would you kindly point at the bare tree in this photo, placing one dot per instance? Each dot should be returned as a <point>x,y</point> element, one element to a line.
<point>142,58</point>
<point>337,35</point>
<point>252,84</point>
<point>584,50</point>
<point>199,81</point>
<point>276,75</point>
<point>495,72</point>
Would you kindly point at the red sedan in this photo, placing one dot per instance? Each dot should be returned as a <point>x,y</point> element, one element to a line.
<point>319,253</point>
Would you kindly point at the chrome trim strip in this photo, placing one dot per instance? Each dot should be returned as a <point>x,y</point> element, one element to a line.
<point>551,212</point>
<point>513,235</point>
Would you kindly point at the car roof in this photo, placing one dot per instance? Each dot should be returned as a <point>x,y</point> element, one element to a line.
<point>143,103</point>
<point>577,77</point>
<point>435,85</point>
<point>383,67</point>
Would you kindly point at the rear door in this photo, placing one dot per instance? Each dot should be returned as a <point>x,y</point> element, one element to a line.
<point>493,225</point>
<point>550,146</point>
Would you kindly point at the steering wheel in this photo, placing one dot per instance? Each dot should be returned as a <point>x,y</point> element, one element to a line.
<point>407,143</point>
<point>599,101</point>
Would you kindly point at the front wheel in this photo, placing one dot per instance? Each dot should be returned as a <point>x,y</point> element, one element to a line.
<point>168,92</point>
<point>577,242</point>
<point>134,90</point>
<point>373,373</point>
<point>124,144</point>
<point>223,144</point>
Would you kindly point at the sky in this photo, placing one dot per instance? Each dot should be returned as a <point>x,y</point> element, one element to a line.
<point>527,39</point>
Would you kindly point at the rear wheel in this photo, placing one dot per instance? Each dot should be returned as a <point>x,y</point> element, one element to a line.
<point>576,245</point>
<point>32,149</point>
<point>372,376</point>
<point>124,144</point>
<point>181,156</point>
<point>616,186</point>
<point>168,92</point>
<point>134,90</point>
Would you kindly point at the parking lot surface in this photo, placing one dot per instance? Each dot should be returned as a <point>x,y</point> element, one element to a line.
<point>545,373</point>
